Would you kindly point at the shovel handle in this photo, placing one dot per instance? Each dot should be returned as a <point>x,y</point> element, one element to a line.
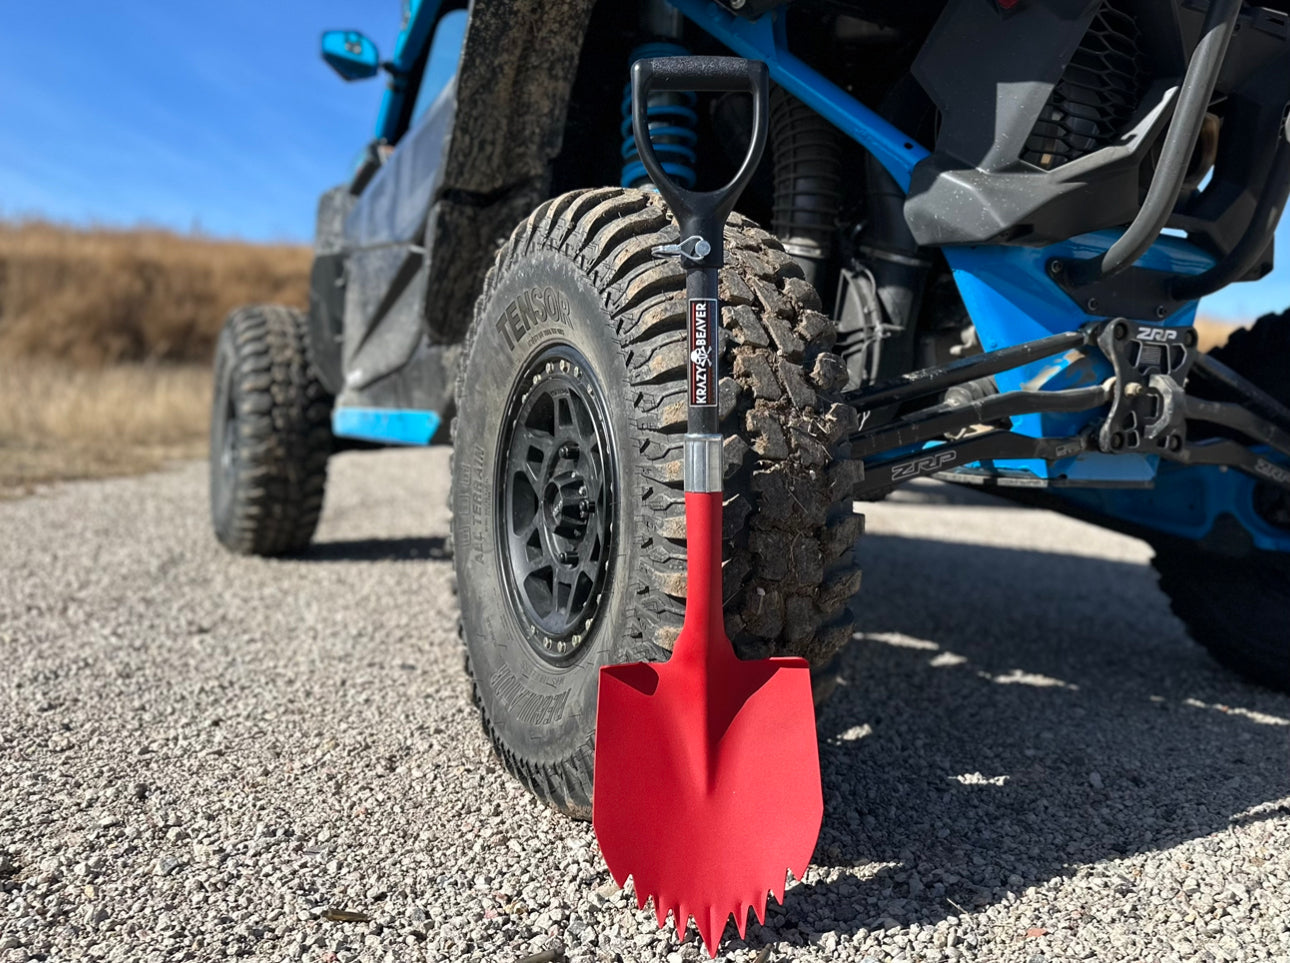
<point>702,217</point>
<point>700,213</point>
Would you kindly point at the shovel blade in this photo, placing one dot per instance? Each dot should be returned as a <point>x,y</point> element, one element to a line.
<point>707,785</point>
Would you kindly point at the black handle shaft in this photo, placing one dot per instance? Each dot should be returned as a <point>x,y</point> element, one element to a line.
<point>701,214</point>
<point>703,413</point>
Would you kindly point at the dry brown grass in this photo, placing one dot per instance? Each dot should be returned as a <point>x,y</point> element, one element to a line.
<point>105,339</point>
<point>59,422</point>
<point>95,297</point>
<point>1213,334</point>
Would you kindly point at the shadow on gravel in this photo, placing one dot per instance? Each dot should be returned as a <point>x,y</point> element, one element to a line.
<point>1010,715</point>
<point>930,492</point>
<point>431,547</point>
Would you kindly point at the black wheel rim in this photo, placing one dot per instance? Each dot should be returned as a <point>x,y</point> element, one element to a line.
<point>224,450</point>
<point>557,501</point>
<point>228,455</point>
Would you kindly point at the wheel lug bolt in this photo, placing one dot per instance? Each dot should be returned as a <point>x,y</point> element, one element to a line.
<point>568,558</point>
<point>584,508</point>
<point>568,451</point>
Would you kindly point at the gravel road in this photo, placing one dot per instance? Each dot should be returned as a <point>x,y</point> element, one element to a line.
<point>204,756</point>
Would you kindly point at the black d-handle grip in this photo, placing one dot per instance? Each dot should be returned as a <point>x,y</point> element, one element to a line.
<point>701,213</point>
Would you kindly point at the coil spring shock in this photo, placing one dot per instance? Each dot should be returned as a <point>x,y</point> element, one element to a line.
<point>672,123</point>
<point>808,182</point>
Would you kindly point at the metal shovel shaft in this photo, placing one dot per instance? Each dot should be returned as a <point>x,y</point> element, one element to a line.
<point>703,637</point>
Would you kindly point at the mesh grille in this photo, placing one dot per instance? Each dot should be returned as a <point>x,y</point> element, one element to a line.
<point>1096,96</point>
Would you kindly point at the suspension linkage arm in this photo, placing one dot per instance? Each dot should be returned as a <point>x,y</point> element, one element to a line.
<point>943,419</point>
<point>1224,451</point>
<point>1178,407</point>
<point>1210,367</point>
<point>918,384</point>
<point>1238,418</point>
<point>986,446</point>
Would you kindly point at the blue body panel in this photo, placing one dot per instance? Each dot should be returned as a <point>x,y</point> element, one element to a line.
<point>389,425</point>
<point>1187,501</point>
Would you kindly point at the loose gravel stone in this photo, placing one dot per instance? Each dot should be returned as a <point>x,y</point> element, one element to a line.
<point>204,756</point>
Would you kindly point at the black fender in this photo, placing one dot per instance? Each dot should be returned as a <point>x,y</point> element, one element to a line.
<point>516,72</point>
<point>326,291</point>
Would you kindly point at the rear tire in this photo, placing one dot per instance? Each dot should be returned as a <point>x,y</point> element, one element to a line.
<point>270,434</point>
<point>577,308</point>
<point>1238,608</point>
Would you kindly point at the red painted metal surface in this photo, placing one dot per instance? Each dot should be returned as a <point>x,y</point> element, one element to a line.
<point>707,780</point>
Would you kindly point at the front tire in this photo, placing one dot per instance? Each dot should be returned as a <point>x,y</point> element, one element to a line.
<point>567,499</point>
<point>270,434</point>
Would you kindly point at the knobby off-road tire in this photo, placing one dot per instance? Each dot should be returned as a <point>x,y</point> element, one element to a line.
<point>1238,608</point>
<point>576,302</point>
<point>270,434</point>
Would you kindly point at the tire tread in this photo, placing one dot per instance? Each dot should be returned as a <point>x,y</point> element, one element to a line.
<point>284,434</point>
<point>1237,608</point>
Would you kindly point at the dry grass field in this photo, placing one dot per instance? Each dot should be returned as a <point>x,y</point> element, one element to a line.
<point>98,297</point>
<point>58,421</point>
<point>106,337</point>
<point>1213,333</point>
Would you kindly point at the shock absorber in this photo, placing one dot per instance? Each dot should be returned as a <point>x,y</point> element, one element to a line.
<point>672,123</point>
<point>808,182</point>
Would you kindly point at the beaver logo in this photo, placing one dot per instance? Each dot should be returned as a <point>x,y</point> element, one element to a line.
<point>703,352</point>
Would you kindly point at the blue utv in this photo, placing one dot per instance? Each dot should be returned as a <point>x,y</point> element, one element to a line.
<point>974,251</point>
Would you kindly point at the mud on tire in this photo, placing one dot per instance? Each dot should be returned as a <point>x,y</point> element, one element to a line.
<point>270,434</point>
<point>789,529</point>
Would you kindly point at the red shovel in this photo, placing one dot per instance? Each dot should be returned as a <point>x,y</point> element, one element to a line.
<point>707,778</point>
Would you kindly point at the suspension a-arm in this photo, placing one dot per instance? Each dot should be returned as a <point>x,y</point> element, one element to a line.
<point>1146,410</point>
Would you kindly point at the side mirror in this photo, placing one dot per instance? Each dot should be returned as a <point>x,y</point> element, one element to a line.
<point>350,54</point>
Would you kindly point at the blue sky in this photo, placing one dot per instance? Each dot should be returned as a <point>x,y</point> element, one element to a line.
<point>221,116</point>
<point>212,114</point>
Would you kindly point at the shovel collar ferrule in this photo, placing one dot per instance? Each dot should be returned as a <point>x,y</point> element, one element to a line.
<point>704,464</point>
